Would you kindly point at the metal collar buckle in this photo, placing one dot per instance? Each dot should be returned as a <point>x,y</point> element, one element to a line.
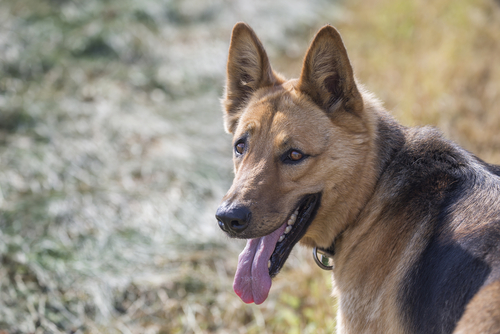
<point>324,263</point>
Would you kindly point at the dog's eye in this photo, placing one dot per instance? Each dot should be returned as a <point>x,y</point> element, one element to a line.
<point>239,147</point>
<point>295,155</point>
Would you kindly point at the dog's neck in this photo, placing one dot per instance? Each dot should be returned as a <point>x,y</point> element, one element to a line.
<point>388,139</point>
<point>352,260</point>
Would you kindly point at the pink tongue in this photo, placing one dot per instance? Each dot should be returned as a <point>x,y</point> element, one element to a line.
<point>252,281</point>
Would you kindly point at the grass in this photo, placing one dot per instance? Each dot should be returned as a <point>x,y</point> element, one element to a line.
<point>113,157</point>
<point>437,62</point>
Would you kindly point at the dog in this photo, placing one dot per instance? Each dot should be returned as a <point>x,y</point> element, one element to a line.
<point>410,220</point>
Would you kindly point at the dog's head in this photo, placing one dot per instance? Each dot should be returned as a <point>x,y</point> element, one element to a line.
<point>298,145</point>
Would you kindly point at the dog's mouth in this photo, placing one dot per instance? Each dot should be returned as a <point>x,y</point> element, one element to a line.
<point>297,225</point>
<point>263,258</point>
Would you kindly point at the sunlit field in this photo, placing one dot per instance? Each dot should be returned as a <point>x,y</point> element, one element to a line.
<point>113,157</point>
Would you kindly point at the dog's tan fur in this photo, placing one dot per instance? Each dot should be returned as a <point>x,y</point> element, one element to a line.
<point>380,217</point>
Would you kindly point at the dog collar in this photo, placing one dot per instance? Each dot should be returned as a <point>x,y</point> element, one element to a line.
<point>326,255</point>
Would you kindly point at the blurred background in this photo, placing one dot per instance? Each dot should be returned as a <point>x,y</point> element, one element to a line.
<point>113,157</point>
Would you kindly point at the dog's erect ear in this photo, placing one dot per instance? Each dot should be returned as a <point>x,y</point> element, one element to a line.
<point>248,69</point>
<point>327,75</point>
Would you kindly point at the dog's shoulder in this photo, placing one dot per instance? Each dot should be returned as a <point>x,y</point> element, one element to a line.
<point>457,196</point>
<point>461,192</point>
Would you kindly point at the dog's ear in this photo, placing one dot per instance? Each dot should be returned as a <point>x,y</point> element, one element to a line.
<point>248,69</point>
<point>327,75</point>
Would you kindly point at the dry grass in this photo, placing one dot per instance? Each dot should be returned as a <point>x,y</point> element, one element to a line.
<point>433,63</point>
<point>113,156</point>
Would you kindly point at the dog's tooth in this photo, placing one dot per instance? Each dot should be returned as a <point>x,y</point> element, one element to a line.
<point>268,264</point>
<point>291,221</point>
<point>281,238</point>
<point>288,229</point>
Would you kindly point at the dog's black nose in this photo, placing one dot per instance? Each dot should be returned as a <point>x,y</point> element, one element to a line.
<point>233,219</point>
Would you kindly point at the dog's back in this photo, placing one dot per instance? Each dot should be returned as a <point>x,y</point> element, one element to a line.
<point>451,200</point>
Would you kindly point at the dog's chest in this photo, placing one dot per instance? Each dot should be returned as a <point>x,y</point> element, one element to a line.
<point>362,311</point>
<point>367,284</point>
